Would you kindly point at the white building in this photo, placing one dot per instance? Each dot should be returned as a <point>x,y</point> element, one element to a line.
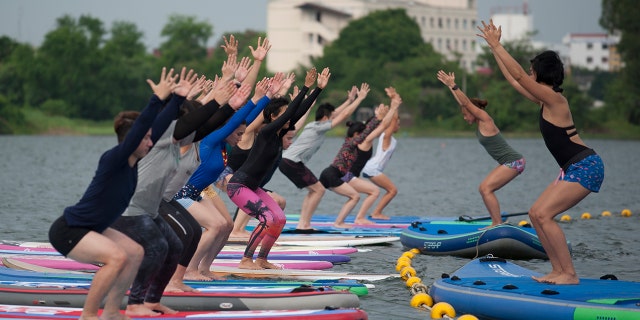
<point>593,51</point>
<point>299,29</point>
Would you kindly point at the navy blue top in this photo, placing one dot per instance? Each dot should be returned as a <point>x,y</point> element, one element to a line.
<point>114,182</point>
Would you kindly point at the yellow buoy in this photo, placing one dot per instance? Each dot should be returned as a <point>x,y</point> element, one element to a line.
<point>415,250</point>
<point>606,213</point>
<point>421,299</point>
<point>442,308</point>
<point>407,272</point>
<point>467,317</point>
<point>523,223</point>
<point>402,264</point>
<point>565,217</point>
<point>408,254</point>
<point>413,280</point>
<point>626,213</point>
<point>585,215</point>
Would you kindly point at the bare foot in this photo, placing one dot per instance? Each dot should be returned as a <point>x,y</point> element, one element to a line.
<point>547,277</point>
<point>140,310</point>
<point>247,263</point>
<point>240,235</point>
<point>160,308</point>
<point>212,275</point>
<point>179,286</point>
<point>380,217</point>
<point>342,225</point>
<point>266,264</point>
<point>196,276</point>
<point>106,316</point>
<point>363,221</point>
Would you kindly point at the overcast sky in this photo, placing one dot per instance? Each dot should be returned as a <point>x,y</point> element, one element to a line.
<point>29,20</point>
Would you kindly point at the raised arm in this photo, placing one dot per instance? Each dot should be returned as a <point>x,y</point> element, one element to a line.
<point>536,92</point>
<point>339,116</point>
<point>449,80</point>
<point>396,100</point>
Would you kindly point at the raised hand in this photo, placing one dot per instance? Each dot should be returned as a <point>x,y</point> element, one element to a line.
<point>391,92</point>
<point>260,52</point>
<point>286,84</point>
<point>229,68</point>
<point>312,74</point>
<point>276,83</point>
<point>448,79</point>
<point>381,111</point>
<point>364,91</point>
<point>197,88</point>
<point>294,94</point>
<point>239,98</point>
<point>323,78</point>
<point>164,87</point>
<point>243,69</point>
<point>230,46</point>
<point>490,33</point>
<point>185,82</point>
<point>261,89</point>
<point>225,92</point>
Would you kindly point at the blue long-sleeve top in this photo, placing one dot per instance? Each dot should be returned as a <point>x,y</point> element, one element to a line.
<point>115,180</point>
<point>211,150</point>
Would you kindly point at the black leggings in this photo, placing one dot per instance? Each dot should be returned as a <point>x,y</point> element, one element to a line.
<point>184,225</point>
<point>162,250</point>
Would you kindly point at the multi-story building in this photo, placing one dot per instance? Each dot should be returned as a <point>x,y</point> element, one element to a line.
<point>299,29</point>
<point>593,51</point>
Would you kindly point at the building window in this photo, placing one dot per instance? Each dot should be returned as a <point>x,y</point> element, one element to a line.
<point>589,60</point>
<point>455,24</point>
<point>605,46</point>
<point>431,22</point>
<point>440,23</point>
<point>464,24</point>
<point>464,44</point>
<point>423,22</point>
<point>455,44</point>
<point>311,38</point>
<point>589,45</point>
<point>605,60</point>
<point>439,43</point>
<point>320,40</point>
<point>448,42</point>
<point>448,23</point>
<point>319,16</point>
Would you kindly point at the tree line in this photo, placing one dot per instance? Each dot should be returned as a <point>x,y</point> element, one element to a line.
<point>84,70</point>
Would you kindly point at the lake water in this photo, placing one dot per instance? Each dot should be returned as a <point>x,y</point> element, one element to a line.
<point>40,175</point>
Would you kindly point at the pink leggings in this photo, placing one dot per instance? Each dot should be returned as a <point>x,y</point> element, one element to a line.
<point>258,204</point>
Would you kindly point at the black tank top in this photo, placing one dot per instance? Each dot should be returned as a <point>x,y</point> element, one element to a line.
<point>559,143</point>
<point>237,157</point>
<point>361,160</point>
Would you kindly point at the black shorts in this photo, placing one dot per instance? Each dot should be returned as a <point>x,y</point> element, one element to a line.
<point>298,173</point>
<point>65,238</point>
<point>331,177</point>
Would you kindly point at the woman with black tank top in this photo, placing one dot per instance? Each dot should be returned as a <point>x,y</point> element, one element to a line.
<point>581,169</point>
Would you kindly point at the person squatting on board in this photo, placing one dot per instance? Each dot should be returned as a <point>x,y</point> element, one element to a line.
<point>581,168</point>
<point>510,162</point>
<point>83,232</point>
<point>244,186</point>
<point>294,159</point>
<point>337,175</point>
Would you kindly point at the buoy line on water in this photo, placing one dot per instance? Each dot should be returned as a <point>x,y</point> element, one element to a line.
<point>420,291</point>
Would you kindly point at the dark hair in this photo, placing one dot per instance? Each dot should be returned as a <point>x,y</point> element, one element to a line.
<point>549,69</point>
<point>123,122</point>
<point>354,127</point>
<point>273,108</point>
<point>324,110</point>
<point>480,103</point>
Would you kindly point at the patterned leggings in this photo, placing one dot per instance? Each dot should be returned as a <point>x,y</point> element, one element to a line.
<point>258,204</point>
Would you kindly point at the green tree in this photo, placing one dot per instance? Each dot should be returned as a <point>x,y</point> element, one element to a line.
<point>620,16</point>
<point>384,48</point>
<point>186,41</point>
